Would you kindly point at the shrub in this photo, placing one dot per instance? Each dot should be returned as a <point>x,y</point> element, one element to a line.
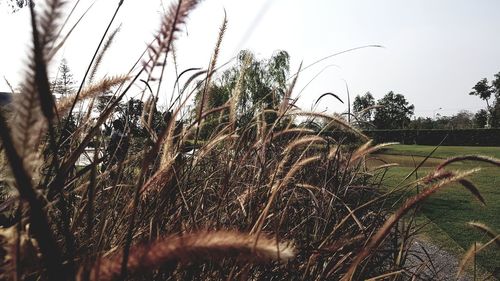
<point>468,137</point>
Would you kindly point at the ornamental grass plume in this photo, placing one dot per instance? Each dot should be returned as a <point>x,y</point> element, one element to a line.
<point>194,247</point>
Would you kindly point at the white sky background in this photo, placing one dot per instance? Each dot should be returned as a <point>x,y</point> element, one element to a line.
<point>435,51</point>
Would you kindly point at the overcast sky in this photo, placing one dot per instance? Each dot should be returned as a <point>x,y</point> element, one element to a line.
<point>434,51</point>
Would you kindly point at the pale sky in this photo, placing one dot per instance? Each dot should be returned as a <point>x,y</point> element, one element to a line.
<point>434,51</point>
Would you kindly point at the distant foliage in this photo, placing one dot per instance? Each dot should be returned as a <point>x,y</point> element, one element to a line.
<point>361,109</point>
<point>482,89</point>
<point>481,118</point>
<point>467,137</point>
<point>394,112</point>
<point>490,93</point>
<point>250,85</point>
<point>16,5</point>
<point>64,83</point>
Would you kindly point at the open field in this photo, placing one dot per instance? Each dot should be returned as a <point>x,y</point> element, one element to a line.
<point>452,207</point>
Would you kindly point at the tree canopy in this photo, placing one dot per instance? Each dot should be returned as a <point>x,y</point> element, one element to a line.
<point>481,118</point>
<point>63,84</point>
<point>361,109</point>
<point>15,5</point>
<point>394,112</point>
<point>264,81</point>
<point>262,84</point>
<point>483,90</point>
<point>489,91</point>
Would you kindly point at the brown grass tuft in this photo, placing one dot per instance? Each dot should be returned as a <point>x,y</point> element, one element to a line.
<point>194,247</point>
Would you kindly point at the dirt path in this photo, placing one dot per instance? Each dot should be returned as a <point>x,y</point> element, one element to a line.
<point>430,262</point>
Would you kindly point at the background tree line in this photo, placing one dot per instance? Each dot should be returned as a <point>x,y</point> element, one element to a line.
<point>393,111</point>
<point>263,84</point>
<point>128,112</point>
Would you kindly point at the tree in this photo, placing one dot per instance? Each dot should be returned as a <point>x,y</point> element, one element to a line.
<point>495,112</point>
<point>360,106</point>
<point>484,91</point>
<point>130,114</point>
<point>264,81</point>
<point>495,115</point>
<point>481,118</point>
<point>422,123</point>
<point>496,85</point>
<point>394,112</point>
<point>462,120</point>
<point>263,84</point>
<point>63,85</point>
<point>15,5</point>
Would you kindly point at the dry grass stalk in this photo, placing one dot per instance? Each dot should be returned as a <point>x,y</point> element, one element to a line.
<point>297,166</point>
<point>334,152</point>
<point>333,120</point>
<point>238,89</point>
<point>195,247</point>
<point>102,86</point>
<point>102,52</point>
<point>309,140</point>
<point>165,140</point>
<point>486,230</point>
<point>211,145</point>
<point>472,189</point>
<point>41,228</point>
<point>384,166</point>
<point>211,68</point>
<point>386,276</point>
<point>49,23</point>
<point>28,126</point>
<point>298,131</point>
<point>435,176</point>
<point>209,112</point>
<point>294,170</point>
<point>479,158</point>
<point>477,247</point>
<point>16,246</point>
<point>159,179</point>
<point>366,149</point>
<point>285,103</point>
<point>360,113</point>
<point>471,252</point>
<point>176,16</point>
<point>8,253</point>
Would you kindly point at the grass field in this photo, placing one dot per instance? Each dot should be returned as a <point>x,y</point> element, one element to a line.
<point>451,208</point>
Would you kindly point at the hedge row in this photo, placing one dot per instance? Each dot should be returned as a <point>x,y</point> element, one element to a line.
<point>469,137</point>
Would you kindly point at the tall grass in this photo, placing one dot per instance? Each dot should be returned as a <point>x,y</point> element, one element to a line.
<point>253,200</point>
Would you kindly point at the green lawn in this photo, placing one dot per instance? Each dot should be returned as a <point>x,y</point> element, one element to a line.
<point>452,207</point>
